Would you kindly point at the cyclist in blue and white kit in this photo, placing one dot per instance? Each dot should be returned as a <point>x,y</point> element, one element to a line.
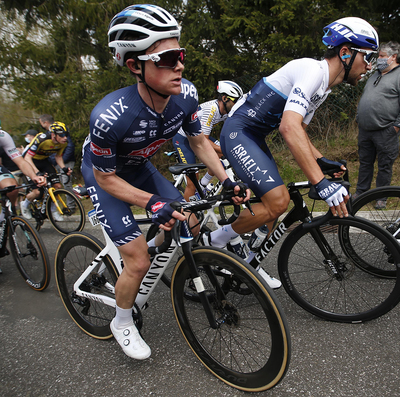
<point>287,100</point>
<point>127,127</point>
<point>210,114</point>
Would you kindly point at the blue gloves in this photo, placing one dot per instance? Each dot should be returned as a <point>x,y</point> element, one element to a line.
<point>160,209</point>
<point>331,192</point>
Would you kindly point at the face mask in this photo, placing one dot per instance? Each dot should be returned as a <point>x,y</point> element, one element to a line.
<point>28,140</point>
<point>382,64</point>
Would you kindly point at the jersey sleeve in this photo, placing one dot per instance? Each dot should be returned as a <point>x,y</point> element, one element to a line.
<point>8,145</point>
<point>306,82</point>
<point>34,145</point>
<point>189,103</point>
<point>103,140</point>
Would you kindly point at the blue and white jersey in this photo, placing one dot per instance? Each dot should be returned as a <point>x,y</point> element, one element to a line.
<point>301,86</point>
<point>125,132</point>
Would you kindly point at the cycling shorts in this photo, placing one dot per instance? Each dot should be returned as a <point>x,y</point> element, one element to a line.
<point>250,158</point>
<point>5,173</point>
<point>116,215</point>
<point>182,146</point>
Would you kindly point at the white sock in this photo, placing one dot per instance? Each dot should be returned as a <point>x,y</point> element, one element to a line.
<point>221,236</point>
<point>26,203</point>
<point>152,242</point>
<point>206,179</point>
<point>123,317</point>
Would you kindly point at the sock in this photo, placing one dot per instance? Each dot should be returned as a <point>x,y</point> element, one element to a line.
<point>221,237</point>
<point>206,179</point>
<point>152,242</point>
<point>123,317</point>
<point>26,203</point>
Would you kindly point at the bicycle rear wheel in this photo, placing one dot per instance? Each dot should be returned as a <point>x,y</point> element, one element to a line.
<point>326,272</point>
<point>250,349</point>
<point>29,253</point>
<point>74,254</point>
<point>72,218</point>
<point>382,207</point>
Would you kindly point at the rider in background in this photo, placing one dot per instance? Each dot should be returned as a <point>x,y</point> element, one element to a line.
<point>287,99</point>
<point>210,114</point>
<point>127,127</point>
<point>6,177</point>
<point>37,155</point>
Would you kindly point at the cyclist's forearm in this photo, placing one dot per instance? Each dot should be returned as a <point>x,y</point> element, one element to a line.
<point>26,166</point>
<point>205,152</point>
<point>122,190</point>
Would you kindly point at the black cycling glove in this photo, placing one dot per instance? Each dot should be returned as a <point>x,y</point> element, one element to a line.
<point>160,209</point>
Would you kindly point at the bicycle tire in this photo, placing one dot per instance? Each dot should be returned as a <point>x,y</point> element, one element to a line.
<point>388,217</point>
<point>250,350</point>
<point>74,254</point>
<point>339,288</point>
<point>73,219</point>
<point>29,253</point>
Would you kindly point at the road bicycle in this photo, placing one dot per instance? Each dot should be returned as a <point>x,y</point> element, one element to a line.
<point>341,270</point>
<point>26,245</point>
<point>235,327</point>
<point>53,205</point>
<point>328,265</point>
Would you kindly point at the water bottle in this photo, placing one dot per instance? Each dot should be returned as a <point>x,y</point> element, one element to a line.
<point>239,247</point>
<point>208,189</point>
<point>196,197</point>
<point>257,237</point>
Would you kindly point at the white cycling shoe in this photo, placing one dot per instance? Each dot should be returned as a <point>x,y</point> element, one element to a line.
<point>57,216</point>
<point>26,212</point>
<point>271,281</point>
<point>131,342</point>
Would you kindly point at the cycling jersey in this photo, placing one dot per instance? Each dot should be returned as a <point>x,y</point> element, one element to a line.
<point>124,134</point>
<point>42,146</point>
<point>209,116</point>
<point>8,145</point>
<point>300,86</point>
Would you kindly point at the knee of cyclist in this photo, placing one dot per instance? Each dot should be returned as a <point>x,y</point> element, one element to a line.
<point>137,268</point>
<point>277,208</point>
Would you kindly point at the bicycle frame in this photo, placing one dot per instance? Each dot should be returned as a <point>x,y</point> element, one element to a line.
<point>299,212</point>
<point>149,282</point>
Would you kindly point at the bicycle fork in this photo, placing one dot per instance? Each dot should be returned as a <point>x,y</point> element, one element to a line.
<point>51,191</point>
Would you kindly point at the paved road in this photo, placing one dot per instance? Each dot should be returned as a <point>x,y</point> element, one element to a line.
<point>43,353</point>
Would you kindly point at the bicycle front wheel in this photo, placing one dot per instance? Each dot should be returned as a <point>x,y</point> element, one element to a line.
<point>250,348</point>
<point>74,254</point>
<point>72,215</point>
<point>382,207</point>
<point>323,270</point>
<point>29,253</point>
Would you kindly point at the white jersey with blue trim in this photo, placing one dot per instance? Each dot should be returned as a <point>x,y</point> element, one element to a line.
<point>300,86</point>
<point>209,116</point>
<point>125,132</point>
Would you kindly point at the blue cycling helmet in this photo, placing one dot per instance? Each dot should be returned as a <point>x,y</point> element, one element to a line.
<point>352,30</point>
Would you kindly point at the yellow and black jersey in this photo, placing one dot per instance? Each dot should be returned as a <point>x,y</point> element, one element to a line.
<point>42,146</point>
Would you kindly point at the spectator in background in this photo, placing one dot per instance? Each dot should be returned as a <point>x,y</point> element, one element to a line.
<point>378,117</point>
<point>46,120</point>
<point>29,135</point>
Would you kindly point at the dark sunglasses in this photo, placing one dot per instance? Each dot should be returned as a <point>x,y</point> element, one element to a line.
<point>369,55</point>
<point>62,135</point>
<point>166,59</point>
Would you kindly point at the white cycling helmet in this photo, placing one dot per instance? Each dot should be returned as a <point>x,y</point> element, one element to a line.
<point>137,27</point>
<point>352,30</point>
<point>229,88</point>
